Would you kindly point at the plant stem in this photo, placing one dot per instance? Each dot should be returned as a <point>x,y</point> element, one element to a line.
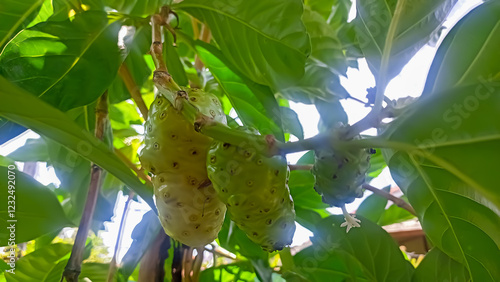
<point>134,90</point>
<point>399,202</point>
<point>157,45</point>
<point>300,167</point>
<point>73,267</point>
<point>197,264</point>
<point>112,264</point>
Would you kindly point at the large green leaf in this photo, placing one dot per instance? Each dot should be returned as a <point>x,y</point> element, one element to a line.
<point>395,214</point>
<point>413,28</point>
<point>437,266</point>
<point>27,110</point>
<point>265,40</point>
<point>373,207</point>
<point>138,8</point>
<point>254,103</point>
<point>37,265</point>
<point>34,150</point>
<point>34,210</point>
<point>442,159</point>
<point>13,15</point>
<point>469,53</point>
<point>365,253</point>
<point>66,63</point>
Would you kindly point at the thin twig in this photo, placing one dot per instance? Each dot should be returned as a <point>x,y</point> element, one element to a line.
<point>135,91</point>
<point>399,202</point>
<point>140,173</point>
<point>73,267</point>
<point>219,253</point>
<point>112,264</point>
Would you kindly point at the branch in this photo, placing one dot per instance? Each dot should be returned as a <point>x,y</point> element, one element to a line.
<point>112,264</point>
<point>399,202</point>
<point>197,264</point>
<point>134,90</point>
<point>219,253</point>
<point>300,167</point>
<point>73,267</point>
<point>140,173</point>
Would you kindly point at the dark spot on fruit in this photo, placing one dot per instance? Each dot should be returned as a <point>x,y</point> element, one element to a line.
<point>150,128</point>
<point>166,195</point>
<point>268,222</point>
<point>193,99</point>
<point>161,179</point>
<point>255,234</point>
<point>167,216</point>
<point>173,136</point>
<point>213,159</point>
<point>334,176</point>
<point>224,190</point>
<point>153,169</point>
<point>163,114</point>
<point>346,160</point>
<point>284,225</point>
<point>175,165</point>
<point>237,204</point>
<point>185,233</point>
<point>196,226</point>
<point>250,183</point>
<point>159,102</point>
<point>192,180</point>
<point>217,212</point>
<point>276,172</point>
<point>226,145</point>
<point>259,161</point>
<point>228,204</point>
<point>193,152</point>
<point>179,204</point>
<point>156,146</point>
<point>282,200</point>
<point>272,190</point>
<point>252,204</point>
<point>212,113</point>
<point>242,224</point>
<point>247,216</point>
<point>267,210</point>
<point>193,217</point>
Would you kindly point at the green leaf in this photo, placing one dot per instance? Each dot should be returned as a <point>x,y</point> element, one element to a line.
<point>267,48</point>
<point>139,8</point>
<point>366,253</point>
<point>395,214</point>
<point>36,265</point>
<point>254,103</point>
<point>301,184</point>
<point>291,122</point>
<point>52,59</point>
<point>35,207</point>
<point>13,15</point>
<point>240,271</point>
<point>143,236</point>
<point>437,266</point>
<point>172,60</point>
<point>377,164</point>
<point>318,263</point>
<point>34,150</point>
<point>27,110</point>
<point>461,61</point>
<point>373,207</point>
<point>413,27</point>
<point>442,161</point>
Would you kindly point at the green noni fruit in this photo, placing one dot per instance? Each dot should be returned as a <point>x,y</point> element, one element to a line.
<point>254,188</point>
<point>340,174</point>
<point>188,207</point>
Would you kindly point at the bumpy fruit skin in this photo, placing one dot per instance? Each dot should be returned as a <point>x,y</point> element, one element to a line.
<point>340,174</point>
<point>255,190</point>
<point>188,207</point>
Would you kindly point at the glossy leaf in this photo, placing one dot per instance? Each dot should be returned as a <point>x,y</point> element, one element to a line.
<point>240,271</point>
<point>27,110</point>
<point>469,53</point>
<point>291,122</point>
<point>143,236</point>
<point>34,150</point>
<point>301,184</point>
<point>365,253</point>
<point>395,214</point>
<point>13,15</point>
<point>140,8</point>
<point>52,59</point>
<point>442,161</point>
<point>413,28</point>
<point>173,61</point>
<point>254,103</point>
<point>437,266</point>
<point>35,208</point>
<point>373,207</point>
<point>256,37</point>
<point>36,265</point>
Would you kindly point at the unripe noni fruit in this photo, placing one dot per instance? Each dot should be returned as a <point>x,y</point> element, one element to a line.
<point>188,207</point>
<point>254,188</point>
